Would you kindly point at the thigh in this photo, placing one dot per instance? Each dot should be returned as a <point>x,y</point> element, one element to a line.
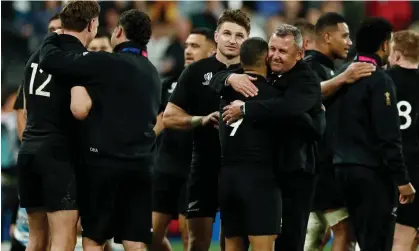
<point>231,206</point>
<point>262,201</point>
<point>59,180</point>
<point>183,195</point>
<point>370,199</point>
<point>167,189</point>
<point>133,215</point>
<point>29,182</point>
<point>97,197</point>
<point>202,193</point>
<point>297,190</point>
<point>328,194</point>
<point>408,214</point>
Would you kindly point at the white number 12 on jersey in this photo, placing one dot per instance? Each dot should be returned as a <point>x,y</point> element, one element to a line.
<point>39,91</point>
<point>235,126</point>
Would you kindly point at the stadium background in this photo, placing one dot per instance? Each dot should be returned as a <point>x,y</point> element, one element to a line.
<point>24,24</point>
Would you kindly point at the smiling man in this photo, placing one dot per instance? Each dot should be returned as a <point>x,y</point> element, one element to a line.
<point>295,154</point>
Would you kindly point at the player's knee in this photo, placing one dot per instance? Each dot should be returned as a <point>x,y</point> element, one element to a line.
<point>134,246</point>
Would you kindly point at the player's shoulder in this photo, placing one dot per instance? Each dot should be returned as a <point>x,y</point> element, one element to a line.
<point>378,77</point>
<point>33,57</point>
<point>203,64</point>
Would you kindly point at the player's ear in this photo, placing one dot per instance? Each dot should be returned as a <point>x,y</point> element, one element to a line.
<point>216,36</point>
<point>119,32</point>
<point>326,37</point>
<point>90,25</point>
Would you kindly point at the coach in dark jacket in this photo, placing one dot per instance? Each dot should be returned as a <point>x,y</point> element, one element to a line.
<point>296,159</point>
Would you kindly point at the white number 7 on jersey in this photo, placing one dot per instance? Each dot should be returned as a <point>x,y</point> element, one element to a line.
<point>235,126</point>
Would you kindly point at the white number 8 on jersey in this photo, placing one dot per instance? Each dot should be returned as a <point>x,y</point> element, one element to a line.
<point>404,111</point>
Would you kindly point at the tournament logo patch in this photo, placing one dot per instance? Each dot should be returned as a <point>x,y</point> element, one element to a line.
<point>207,78</point>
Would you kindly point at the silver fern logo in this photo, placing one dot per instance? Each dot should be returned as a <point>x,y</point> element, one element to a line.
<point>207,78</point>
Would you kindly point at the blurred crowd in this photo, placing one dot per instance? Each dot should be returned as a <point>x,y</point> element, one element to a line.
<point>24,23</point>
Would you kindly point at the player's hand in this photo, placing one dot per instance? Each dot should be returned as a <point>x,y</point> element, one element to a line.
<point>211,119</point>
<point>59,31</point>
<point>358,70</point>
<point>407,193</point>
<point>232,112</point>
<point>242,83</point>
<point>323,108</point>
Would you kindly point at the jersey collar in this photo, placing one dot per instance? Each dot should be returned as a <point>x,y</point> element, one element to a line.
<point>131,47</point>
<point>320,57</point>
<point>369,58</point>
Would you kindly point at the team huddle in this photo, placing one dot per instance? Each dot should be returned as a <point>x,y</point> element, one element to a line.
<point>287,147</point>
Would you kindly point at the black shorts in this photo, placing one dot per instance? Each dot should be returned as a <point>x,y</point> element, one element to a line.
<point>169,194</point>
<point>250,202</point>
<point>408,214</point>
<point>47,180</point>
<point>327,192</point>
<point>202,192</point>
<point>115,200</point>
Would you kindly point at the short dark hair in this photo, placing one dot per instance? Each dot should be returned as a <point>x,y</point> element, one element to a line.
<point>101,32</point>
<point>372,34</point>
<point>252,51</point>
<point>328,19</point>
<point>306,28</point>
<point>76,15</point>
<point>207,33</point>
<point>55,17</point>
<point>236,16</point>
<point>137,26</point>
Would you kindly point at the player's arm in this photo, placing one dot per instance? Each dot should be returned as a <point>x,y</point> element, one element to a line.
<point>81,103</point>
<point>354,72</point>
<point>19,106</point>
<point>386,125</point>
<point>86,65</point>
<point>159,126</point>
<point>312,126</point>
<point>299,98</point>
<point>219,81</point>
<point>175,115</point>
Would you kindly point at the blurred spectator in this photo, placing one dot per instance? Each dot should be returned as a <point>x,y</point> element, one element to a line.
<point>9,150</point>
<point>399,13</point>
<point>173,60</point>
<point>102,42</point>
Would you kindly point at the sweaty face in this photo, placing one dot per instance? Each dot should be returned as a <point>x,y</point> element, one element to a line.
<point>229,38</point>
<point>100,44</point>
<point>283,53</point>
<point>197,47</point>
<point>54,25</point>
<point>339,41</point>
